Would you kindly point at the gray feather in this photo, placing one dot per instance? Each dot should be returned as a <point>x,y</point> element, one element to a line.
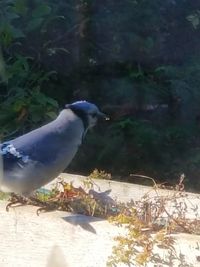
<point>34,159</point>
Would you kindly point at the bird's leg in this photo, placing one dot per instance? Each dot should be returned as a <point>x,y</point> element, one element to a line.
<point>44,206</point>
<point>47,206</point>
<point>16,199</point>
<point>32,200</point>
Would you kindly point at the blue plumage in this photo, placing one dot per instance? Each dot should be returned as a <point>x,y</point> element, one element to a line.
<point>11,157</point>
<point>34,159</point>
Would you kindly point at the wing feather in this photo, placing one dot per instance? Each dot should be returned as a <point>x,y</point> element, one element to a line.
<point>12,157</point>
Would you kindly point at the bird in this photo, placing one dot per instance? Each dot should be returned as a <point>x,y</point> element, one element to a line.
<point>34,159</point>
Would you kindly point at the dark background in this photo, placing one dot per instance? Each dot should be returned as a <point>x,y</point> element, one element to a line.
<point>139,61</point>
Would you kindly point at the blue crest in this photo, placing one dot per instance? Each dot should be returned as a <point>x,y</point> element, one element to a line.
<point>81,105</point>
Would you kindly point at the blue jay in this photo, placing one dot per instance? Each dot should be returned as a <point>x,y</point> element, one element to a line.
<point>34,159</point>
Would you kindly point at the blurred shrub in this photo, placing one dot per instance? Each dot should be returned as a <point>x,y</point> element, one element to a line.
<point>23,104</point>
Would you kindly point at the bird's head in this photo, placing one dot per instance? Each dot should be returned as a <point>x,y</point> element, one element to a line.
<point>88,112</point>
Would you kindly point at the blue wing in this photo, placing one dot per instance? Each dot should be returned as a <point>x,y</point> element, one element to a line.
<point>11,157</point>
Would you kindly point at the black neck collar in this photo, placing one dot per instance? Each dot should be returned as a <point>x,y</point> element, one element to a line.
<point>82,115</point>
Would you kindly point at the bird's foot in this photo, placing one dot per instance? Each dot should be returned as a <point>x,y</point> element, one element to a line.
<point>44,205</point>
<point>47,207</point>
<point>16,199</point>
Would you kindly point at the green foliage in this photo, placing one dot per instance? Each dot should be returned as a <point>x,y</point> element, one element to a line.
<point>96,174</point>
<point>148,226</point>
<point>4,196</point>
<point>137,59</point>
<point>65,196</point>
<point>23,104</point>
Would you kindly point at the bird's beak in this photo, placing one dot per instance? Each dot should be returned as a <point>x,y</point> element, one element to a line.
<point>103,116</point>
